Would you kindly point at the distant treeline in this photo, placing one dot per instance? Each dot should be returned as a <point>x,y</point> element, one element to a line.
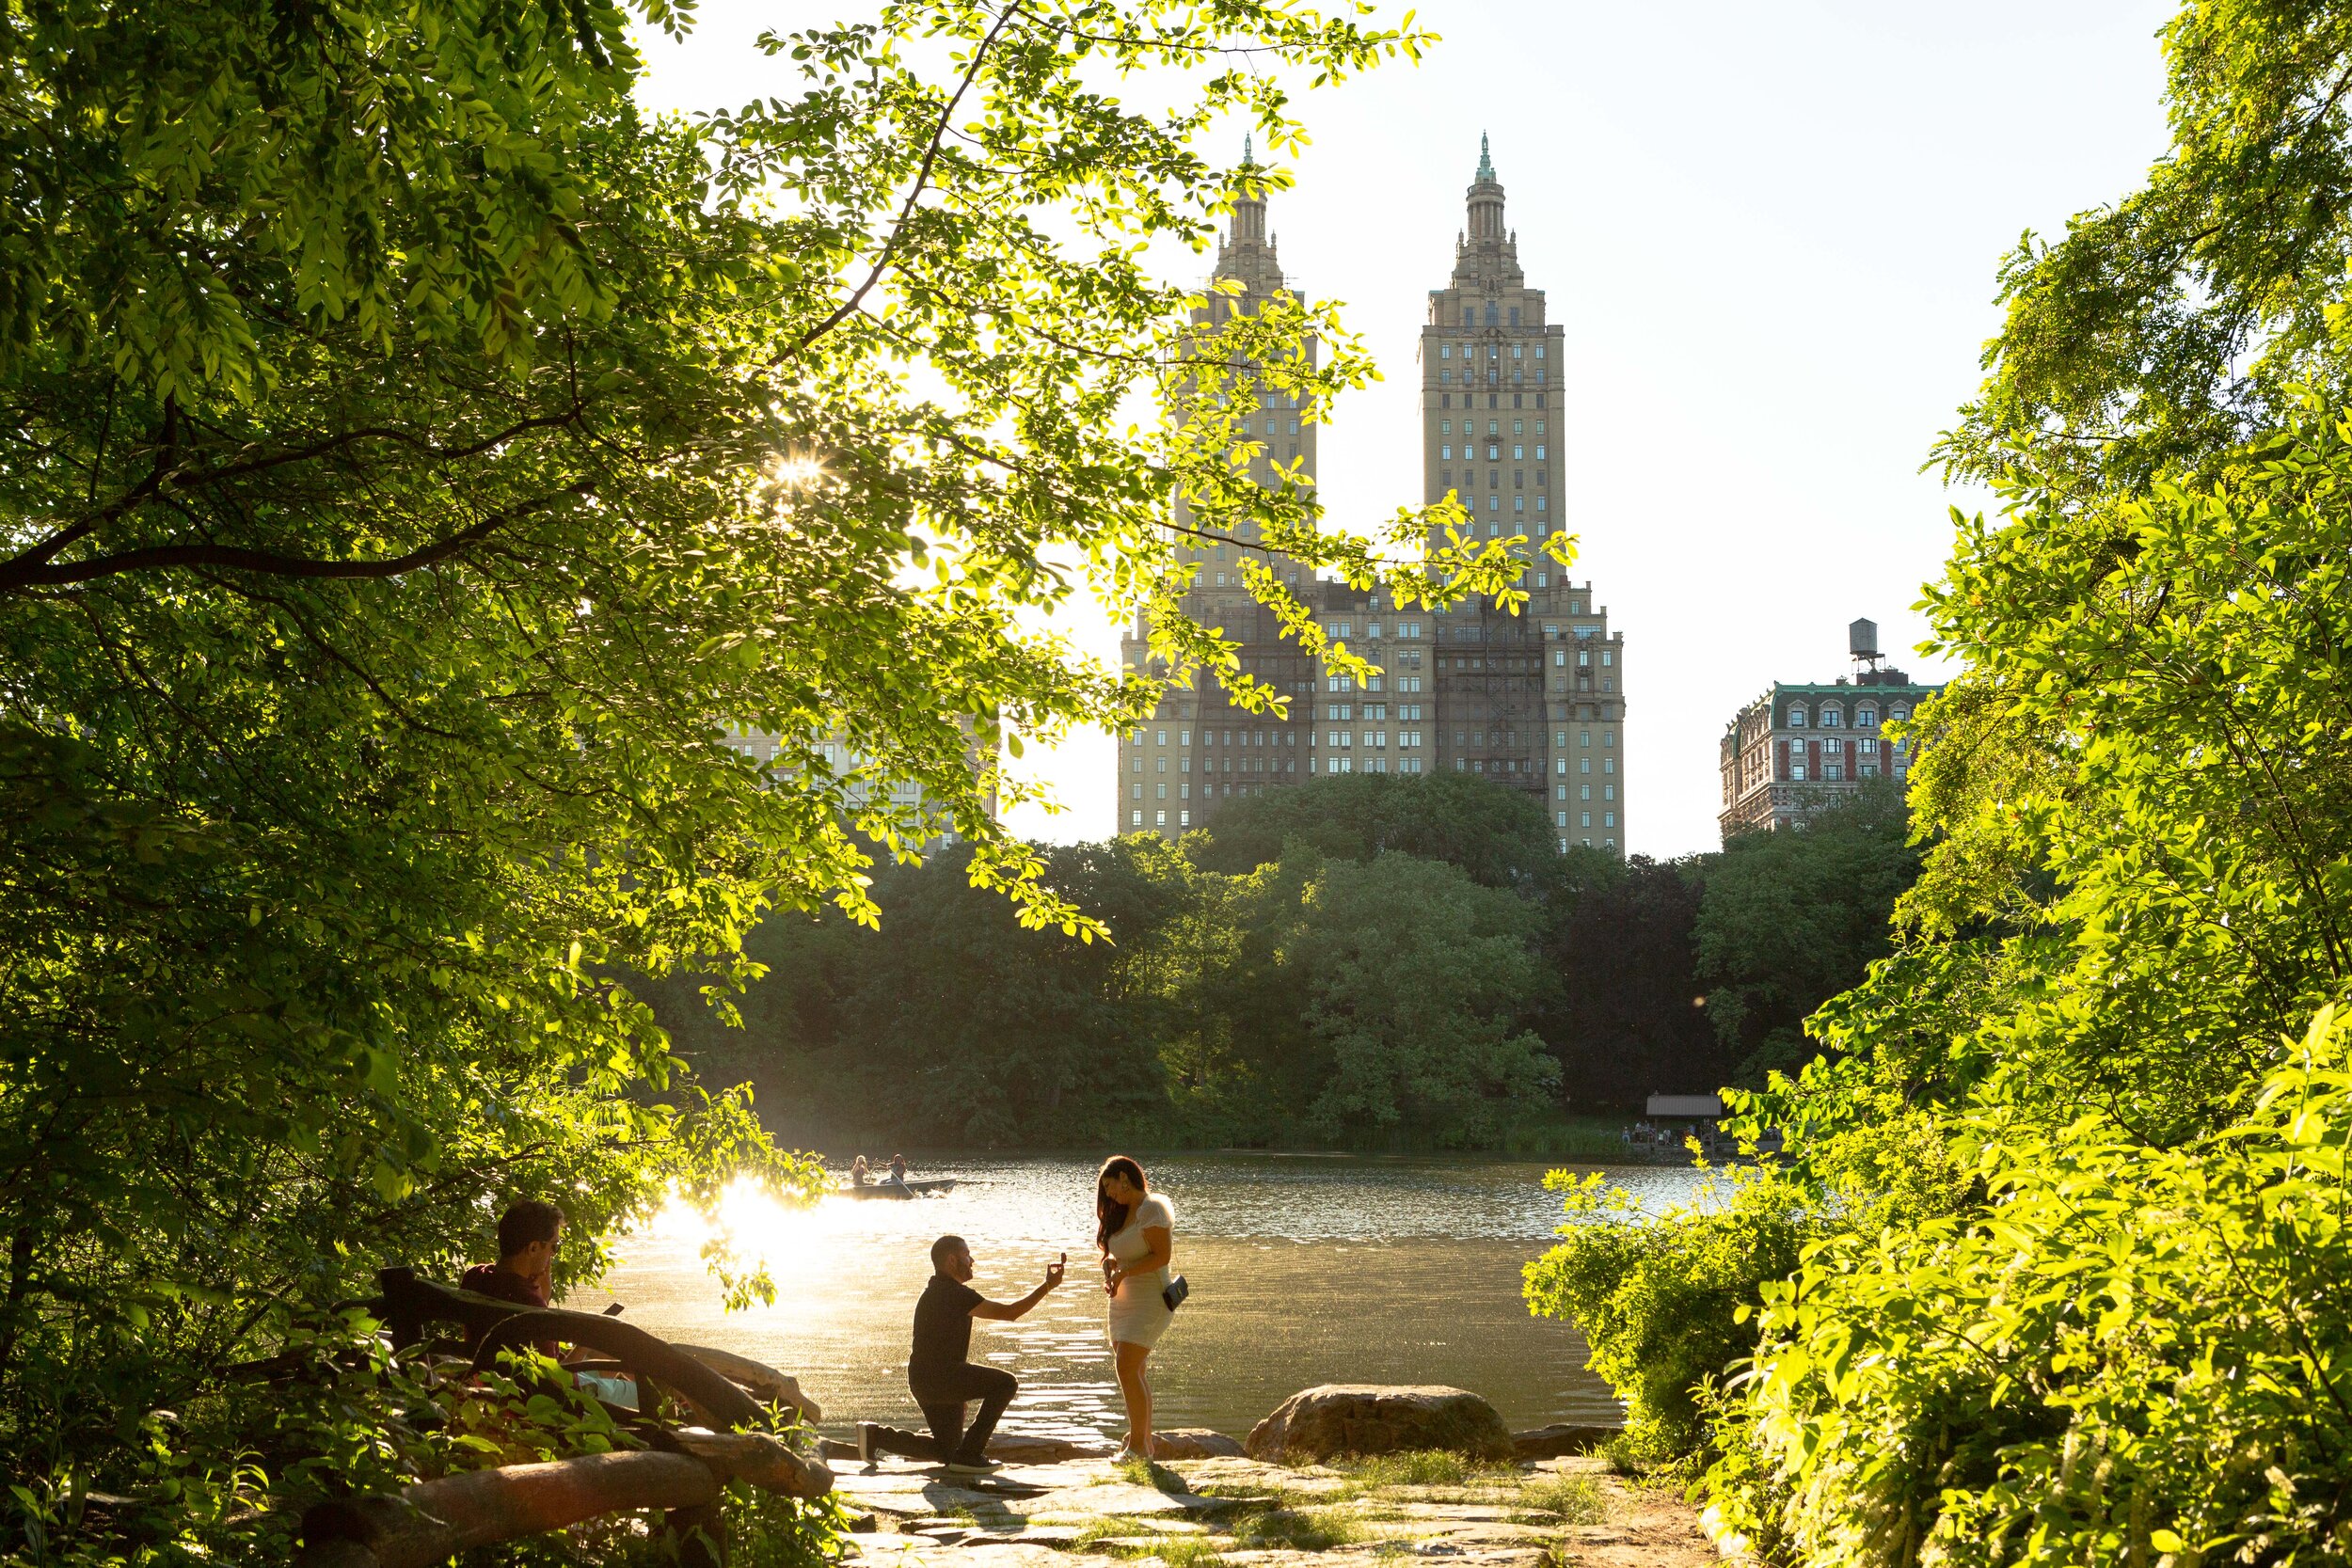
<point>1370,961</point>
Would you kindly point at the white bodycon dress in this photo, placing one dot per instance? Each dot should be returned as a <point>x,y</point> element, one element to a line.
<point>1138,1315</point>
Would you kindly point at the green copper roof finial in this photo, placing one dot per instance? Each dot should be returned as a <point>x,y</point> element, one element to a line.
<point>1486,159</point>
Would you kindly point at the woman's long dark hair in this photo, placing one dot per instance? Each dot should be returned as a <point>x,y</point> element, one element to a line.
<point>1110,1218</point>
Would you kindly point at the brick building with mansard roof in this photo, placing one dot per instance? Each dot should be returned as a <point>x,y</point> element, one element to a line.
<point>1802,749</point>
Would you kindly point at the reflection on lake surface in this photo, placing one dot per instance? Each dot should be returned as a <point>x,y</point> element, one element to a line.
<point>1304,1270</point>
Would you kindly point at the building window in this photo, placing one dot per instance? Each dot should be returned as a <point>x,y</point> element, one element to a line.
<point>1796,771</point>
<point>1865,717</point>
<point>1184,819</point>
<point>1796,718</point>
<point>1833,771</point>
<point>1137,820</point>
<point>1162,821</point>
<point>1869,745</point>
<point>1899,714</point>
<point>1833,718</point>
<point>1587,819</point>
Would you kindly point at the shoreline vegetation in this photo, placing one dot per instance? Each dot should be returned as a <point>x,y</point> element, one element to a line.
<point>1371,962</point>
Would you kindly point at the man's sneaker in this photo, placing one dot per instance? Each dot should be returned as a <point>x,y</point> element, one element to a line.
<point>973,1466</point>
<point>865,1444</point>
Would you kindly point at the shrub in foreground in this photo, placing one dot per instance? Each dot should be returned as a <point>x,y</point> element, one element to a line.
<point>2129,1355</point>
<point>1662,1299</point>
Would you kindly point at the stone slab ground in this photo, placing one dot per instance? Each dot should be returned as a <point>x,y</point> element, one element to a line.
<point>1566,1513</point>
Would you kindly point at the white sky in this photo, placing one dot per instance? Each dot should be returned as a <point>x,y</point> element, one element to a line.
<point>1771,233</point>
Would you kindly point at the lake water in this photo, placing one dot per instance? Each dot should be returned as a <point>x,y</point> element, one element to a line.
<point>1304,1270</point>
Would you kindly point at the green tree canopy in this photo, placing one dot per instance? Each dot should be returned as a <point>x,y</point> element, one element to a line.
<point>2081,1137</point>
<point>417,459</point>
<point>1500,836</point>
<point>1792,918</point>
<point>1417,979</point>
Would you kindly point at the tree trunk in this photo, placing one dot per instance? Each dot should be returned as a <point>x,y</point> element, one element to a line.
<point>428,1522</point>
<point>492,1325</point>
<point>764,1381</point>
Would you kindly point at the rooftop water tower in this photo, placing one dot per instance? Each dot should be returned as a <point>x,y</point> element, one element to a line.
<point>1862,641</point>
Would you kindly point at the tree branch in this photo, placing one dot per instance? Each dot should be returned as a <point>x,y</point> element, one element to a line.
<point>922,181</point>
<point>26,572</point>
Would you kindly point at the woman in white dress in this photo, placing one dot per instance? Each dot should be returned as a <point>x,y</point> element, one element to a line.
<point>1134,1228</point>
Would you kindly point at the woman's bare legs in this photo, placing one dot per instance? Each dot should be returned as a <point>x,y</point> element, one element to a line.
<point>1135,1384</point>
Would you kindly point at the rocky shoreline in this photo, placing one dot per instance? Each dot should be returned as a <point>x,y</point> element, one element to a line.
<point>1564,1512</point>
<point>1350,1476</point>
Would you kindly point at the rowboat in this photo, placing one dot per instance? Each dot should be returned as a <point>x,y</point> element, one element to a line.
<point>901,1189</point>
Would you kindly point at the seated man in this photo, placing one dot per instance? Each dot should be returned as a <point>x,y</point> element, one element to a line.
<point>528,1233</point>
<point>940,1374</point>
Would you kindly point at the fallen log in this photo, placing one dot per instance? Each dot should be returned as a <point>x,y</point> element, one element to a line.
<point>764,1381</point>
<point>425,1524</point>
<point>492,1325</point>
<point>752,1456</point>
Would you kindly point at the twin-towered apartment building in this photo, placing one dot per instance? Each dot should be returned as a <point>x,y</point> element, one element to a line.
<point>1535,702</point>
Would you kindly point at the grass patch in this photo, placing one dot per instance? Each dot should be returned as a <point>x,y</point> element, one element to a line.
<point>1571,1499</point>
<point>1188,1551</point>
<point>1138,1471</point>
<point>1307,1529</point>
<point>1117,1538</point>
<point>1421,1467</point>
<point>1427,1467</point>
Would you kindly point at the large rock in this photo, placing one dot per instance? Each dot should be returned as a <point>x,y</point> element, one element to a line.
<point>1364,1418</point>
<point>1194,1443</point>
<point>1553,1441</point>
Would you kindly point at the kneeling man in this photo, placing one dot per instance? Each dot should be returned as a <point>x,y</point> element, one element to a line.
<point>939,1373</point>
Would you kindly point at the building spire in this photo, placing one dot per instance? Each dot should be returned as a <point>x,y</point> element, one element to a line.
<point>1249,203</point>
<point>1486,200</point>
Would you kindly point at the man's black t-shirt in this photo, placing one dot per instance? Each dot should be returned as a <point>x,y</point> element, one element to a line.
<point>943,1325</point>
